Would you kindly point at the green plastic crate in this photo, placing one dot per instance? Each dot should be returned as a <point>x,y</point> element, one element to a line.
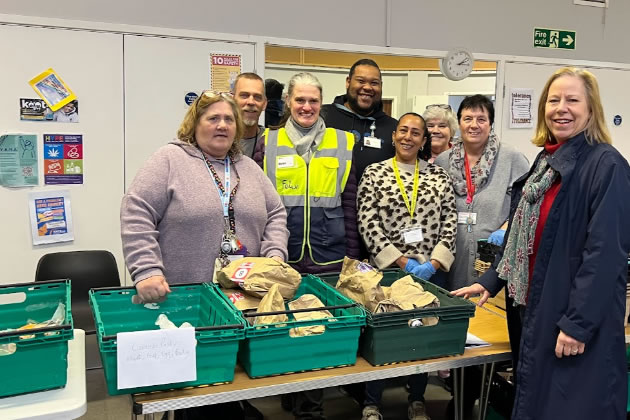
<point>270,350</point>
<point>40,362</point>
<point>217,330</point>
<point>388,338</point>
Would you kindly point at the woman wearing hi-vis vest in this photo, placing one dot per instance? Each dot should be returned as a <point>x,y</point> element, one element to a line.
<point>311,167</point>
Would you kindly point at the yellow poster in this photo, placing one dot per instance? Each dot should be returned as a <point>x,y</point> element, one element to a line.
<point>224,68</point>
<point>52,89</point>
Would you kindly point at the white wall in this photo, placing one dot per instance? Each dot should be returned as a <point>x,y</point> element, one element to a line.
<point>91,65</point>
<point>488,26</point>
<point>401,86</point>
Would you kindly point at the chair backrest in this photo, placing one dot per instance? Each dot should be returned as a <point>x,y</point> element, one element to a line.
<point>86,270</point>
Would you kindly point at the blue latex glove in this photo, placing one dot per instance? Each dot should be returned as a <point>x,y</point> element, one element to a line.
<point>423,271</point>
<point>496,237</point>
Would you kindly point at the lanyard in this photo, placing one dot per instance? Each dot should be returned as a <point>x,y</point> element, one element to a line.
<point>224,193</point>
<point>414,195</point>
<point>470,186</point>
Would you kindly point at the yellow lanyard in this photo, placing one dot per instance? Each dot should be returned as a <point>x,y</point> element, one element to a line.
<point>414,196</point>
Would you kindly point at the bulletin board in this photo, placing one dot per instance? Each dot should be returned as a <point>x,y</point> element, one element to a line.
<point>612,82</point>
<point>91,64</point>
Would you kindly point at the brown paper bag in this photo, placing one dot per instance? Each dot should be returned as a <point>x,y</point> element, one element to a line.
<point>304,302</point>
<point>406,294</point>
<point>241,300</point>
<point>270,303</point>
<point>359,281</point>
<point>256,275</point>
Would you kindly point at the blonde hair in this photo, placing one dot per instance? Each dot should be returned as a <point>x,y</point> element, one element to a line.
<point>595,130</point>
<point>186,132</point>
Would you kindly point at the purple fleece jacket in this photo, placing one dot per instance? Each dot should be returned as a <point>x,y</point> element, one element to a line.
<point>172,218</point>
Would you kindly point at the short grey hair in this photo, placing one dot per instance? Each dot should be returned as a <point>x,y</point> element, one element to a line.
<point>438,113</point>
<point>304,78</point>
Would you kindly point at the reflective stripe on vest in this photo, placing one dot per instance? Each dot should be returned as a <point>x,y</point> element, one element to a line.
<point>334,153</point>
<point>323,180</point>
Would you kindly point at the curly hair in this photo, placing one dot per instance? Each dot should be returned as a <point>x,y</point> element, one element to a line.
<point>186,132</point>
<point>446,115</point>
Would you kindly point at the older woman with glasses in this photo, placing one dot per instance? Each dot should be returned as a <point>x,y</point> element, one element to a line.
<point>197,200</point>
<point>442,126</point>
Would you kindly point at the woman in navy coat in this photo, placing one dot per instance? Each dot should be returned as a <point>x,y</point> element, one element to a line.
<point>565,261</point>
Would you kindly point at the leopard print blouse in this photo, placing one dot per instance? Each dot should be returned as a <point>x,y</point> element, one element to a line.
<point>382,214</point>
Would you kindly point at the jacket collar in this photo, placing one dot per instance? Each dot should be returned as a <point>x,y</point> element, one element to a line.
<point>565,158</point>
<point>341,100</point>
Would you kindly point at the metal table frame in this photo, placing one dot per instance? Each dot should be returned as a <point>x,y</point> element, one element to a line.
<point>362,371</point>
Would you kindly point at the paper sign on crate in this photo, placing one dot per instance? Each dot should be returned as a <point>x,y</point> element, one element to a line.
<point>147,358</point>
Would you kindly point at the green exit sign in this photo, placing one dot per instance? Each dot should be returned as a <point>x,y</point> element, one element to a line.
<point>554,38</point>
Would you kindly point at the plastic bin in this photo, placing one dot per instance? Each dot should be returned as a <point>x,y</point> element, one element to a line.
<point>388,337</point>
<point>40,360</point>
<point>217,330</point>
<point>270,350</point>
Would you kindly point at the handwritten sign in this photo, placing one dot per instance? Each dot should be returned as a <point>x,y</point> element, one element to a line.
<point>147,358</point>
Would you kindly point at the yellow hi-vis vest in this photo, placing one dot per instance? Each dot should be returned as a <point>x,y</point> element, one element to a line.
<point>311,192</point>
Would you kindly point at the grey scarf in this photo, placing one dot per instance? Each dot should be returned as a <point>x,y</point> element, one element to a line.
<point>305,140</point>
<point>479,172</point>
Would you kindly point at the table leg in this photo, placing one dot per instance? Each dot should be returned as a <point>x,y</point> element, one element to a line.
<point>484,372</point>
<point>483,401</point>
<point>458,393</point>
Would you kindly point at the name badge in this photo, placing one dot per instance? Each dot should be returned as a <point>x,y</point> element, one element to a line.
<point>466,218</point>
<point>412,235</point>
<point>373,142</point>
<point>286,162</point>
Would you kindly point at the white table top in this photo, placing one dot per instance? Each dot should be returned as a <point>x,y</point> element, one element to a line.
<point>58,404</point>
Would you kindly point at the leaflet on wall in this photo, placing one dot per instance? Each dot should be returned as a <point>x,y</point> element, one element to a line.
<point>51,217</point>
<point>18,160</point>
<point>37,110</point>
<point>521,108</point>
<point>49,86</point>
<point>224,68</point>
<point>63,159</point>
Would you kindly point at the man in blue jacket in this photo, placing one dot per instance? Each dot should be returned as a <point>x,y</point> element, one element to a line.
<point>360,111</point>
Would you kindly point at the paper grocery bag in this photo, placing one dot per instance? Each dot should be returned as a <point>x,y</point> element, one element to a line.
<point>307,301</point>
<point>272,302</point>
<point>407,294</point>
<point>256,275</point>
<point>359,281</point>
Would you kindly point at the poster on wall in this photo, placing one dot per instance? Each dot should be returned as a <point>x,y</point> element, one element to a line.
<point>51,217</point>
<point>49,86</point>
<point>63,159</point>
<point>18,160</point>
<point>38,110</point>
<point>224,68</point>
<point>521,100</point>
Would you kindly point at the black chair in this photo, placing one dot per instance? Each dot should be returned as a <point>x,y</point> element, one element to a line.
<point>86,270</point>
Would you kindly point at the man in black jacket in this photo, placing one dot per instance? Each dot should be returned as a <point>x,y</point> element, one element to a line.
<point>360,111</point>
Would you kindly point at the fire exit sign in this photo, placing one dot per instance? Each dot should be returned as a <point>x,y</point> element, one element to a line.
<point>554,38</point>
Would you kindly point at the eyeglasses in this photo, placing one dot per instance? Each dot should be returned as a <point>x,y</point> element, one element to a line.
<point>441,106</point>
<point>212,93</point>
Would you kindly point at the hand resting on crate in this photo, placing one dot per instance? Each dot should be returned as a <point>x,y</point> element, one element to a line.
<point>474,289</point>
<point>153,289</point>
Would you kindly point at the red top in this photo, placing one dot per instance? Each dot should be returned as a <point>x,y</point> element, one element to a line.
<point>550,196</point>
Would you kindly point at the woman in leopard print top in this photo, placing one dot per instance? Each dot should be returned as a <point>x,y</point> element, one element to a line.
<point>383,214</point>
<point>413,227</point>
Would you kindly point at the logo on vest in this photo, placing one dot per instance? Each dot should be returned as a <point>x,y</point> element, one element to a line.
<point>288,185</point>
